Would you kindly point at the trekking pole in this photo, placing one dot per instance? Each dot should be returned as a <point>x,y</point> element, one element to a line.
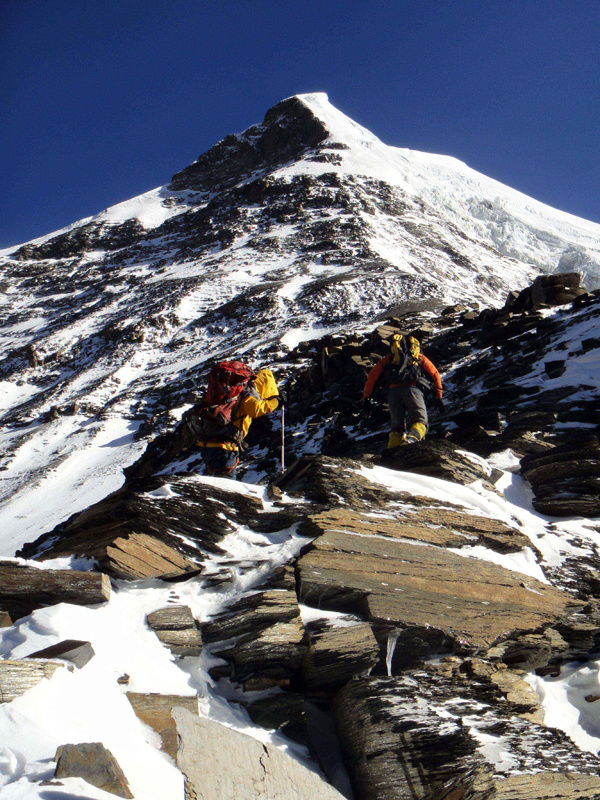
<point>282,437</point>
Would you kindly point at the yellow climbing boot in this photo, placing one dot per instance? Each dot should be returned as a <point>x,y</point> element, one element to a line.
<point>416,432</point>
<point>396,439</point>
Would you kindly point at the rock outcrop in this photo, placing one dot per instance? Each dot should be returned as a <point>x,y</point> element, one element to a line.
<point>17,676</point>
<point>220,763</point>
<point>414,736</point>
<point>23,589</point>
<point>177,629</point>
<point>95,764</point>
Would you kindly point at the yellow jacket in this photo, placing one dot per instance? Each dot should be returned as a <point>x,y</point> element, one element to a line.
<point>252,407</point>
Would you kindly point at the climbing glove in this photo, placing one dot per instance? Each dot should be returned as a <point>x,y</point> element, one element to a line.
<point>439,406</point>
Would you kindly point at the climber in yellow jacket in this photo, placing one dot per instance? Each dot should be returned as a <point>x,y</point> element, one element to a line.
<point>235,396</point>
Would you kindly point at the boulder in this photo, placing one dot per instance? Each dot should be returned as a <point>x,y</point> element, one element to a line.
<point>424,735</point>
<point>155,710</point>
<point>95,764</point>
<point>17,676</point>
<point>72,650</point>
<point>176,628</point>
<point>219,763</point>
<point>23,588</point>
<point>262,638</point>
<point>336,654</point>
<point>438,600</point>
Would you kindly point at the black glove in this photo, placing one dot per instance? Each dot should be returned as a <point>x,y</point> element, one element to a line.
<point>283,398</point>
<point>439,406</point>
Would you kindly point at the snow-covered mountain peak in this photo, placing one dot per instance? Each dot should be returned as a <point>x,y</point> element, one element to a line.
<point>341,127</point>
<point>301,225</point>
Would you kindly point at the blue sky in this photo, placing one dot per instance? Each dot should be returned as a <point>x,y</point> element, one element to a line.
<point>105,99</point>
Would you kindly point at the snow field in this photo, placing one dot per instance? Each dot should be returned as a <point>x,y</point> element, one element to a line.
<point>88,705</point>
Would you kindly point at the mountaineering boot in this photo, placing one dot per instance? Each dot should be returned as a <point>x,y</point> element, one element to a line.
<point>395,439</point>
<point>416,433</point>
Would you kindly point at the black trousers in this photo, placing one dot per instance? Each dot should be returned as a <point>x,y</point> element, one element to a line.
<point>407,406</point>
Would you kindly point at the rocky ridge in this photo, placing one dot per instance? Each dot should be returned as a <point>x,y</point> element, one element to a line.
<point>402,615</point>
<point>405,617</point>
<point>303,222</point>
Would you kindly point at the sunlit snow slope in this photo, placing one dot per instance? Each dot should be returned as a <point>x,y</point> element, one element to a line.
<point>302,224</point>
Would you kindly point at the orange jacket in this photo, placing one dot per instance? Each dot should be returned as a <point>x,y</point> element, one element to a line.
<point>424,363</point>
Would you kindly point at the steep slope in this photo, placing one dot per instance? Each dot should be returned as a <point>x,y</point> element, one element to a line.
<point>417,619</point>
<point>303,224</point>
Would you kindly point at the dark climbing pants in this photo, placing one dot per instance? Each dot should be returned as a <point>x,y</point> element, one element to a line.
<point>407,407</point>
<point>220,462</point>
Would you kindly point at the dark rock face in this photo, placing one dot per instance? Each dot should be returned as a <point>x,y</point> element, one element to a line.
<point>288,131</point>
<point>95,764</point>
<point>137,531</point>
<point>23,589</point>
<point>88,237</point>
<point>566,479</point>
<point>421,735</point>
<point>284,712</point>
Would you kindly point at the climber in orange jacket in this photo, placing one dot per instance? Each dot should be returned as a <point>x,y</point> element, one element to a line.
<point>408,374</point>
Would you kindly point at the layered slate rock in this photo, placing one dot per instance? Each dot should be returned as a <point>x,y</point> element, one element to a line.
<point>176,628</point>
<point>155,710</point>
<point>423,734</point>
<point>219,764</point>
<point>261,637</point>
<point>95,764</point>
<point>439,600</point>
<point>566,479</point>
<point>74,651</point>
<point>336,654</point>
<point>436,525</point>
<point>23,589</point>
<point>152,530</point>
<point>439,459</point>
<point>283,711</point>
<point>17,676</point>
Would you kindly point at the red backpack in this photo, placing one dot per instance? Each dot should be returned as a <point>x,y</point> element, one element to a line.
<point>228,384</point>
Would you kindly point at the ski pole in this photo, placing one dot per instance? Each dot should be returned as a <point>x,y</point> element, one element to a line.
<point>282,437</point>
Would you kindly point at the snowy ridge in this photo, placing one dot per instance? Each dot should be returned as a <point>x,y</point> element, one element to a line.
<point>111,323</point>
